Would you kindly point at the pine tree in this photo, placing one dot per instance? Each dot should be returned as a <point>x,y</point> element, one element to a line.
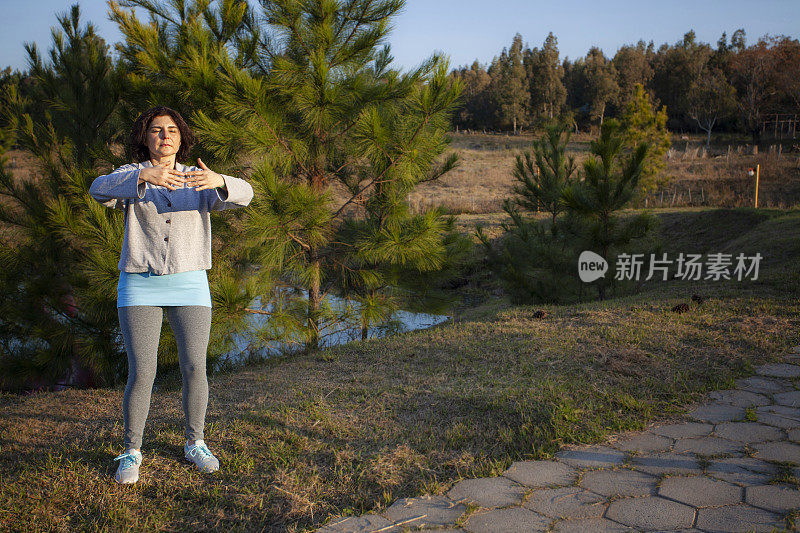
<point>337,139</point>
<point>543,177</point>
<point>642,123</point>
<point>533,264</point>
<point>171,60</point>
<point>608,185</point>
<point>535,261</point>
<point>58,265</point>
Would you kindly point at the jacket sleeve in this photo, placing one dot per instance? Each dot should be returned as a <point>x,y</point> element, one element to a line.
<point>237,193</point>
<point>122,184</point>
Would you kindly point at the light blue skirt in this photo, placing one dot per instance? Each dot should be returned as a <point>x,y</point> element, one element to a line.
<point>144,288</point>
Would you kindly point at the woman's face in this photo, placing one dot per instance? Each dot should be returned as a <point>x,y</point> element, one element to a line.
<point>163,137</point>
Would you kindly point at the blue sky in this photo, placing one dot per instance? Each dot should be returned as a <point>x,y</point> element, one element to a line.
<point>466,30</point>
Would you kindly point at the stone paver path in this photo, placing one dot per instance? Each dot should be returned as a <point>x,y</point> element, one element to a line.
<point>720,470</point>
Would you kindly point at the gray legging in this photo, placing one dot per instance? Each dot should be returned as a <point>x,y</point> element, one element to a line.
<point>141,329</point>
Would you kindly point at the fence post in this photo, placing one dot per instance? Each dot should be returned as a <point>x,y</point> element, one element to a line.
<point>758,169</point>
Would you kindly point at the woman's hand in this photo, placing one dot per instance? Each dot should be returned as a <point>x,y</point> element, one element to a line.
<point>166,177</point>
<point>204,178</point>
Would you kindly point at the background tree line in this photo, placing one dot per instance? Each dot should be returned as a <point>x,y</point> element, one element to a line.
<point>730,86</point>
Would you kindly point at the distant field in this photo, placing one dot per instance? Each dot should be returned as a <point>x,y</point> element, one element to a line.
<point>484,177</point>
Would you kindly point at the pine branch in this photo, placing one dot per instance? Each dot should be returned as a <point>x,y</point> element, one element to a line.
<point>356,26</point>
<point>375,181</point>
<point>298,240</point>
<point>256,311</point>
<point>283,143</point>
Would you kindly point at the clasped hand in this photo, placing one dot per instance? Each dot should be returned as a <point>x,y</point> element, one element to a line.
<point>172,179</point>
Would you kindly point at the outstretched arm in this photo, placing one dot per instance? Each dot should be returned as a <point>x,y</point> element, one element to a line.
<point>121,184</point>
<point>128,183</point>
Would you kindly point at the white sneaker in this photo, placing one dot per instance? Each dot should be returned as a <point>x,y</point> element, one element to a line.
<point>199,454</point>
<point>128,470</point>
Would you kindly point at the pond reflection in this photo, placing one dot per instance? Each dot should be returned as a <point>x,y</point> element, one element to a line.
<point>341,332</point>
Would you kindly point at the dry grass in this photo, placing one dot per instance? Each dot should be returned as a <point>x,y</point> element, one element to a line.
<point>691,177</point>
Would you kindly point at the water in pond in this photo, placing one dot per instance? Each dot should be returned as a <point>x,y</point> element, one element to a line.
<point>329,336</point>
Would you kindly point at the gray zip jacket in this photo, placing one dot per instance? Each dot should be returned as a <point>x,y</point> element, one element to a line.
<point>166,231</point>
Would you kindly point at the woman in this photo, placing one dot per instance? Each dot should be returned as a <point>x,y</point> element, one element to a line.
<point>165,254</point>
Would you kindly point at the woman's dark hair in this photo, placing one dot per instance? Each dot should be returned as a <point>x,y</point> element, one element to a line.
<point>138,140</point>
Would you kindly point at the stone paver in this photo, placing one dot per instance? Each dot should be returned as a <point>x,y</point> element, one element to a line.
<point>747,432</point>
<point>667,463</point>
<point>488,492</point>
<point>779,416</point>
<point>651,513</point>
<point>778,451</point>
<point>365,523</point>
<point>716,413</point>
<point>541,473</point>
<point>741,470</point>
<point>778,498</point>
<point>645,443</point>
<point>737,518</point>
<point>761,385</point>
<point>707,446</point>
<point>512,520</point>
<point>739,398</point>
<point>566,502</point>
<point>591,457</point>
<point>700,491</point>
<point>425,510</point>
<point>589,525</point>
<point>619,483</point>
<point>683,431</point>
<point>656,480</point>
<point>779,370</point>
<point>789,399</point>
